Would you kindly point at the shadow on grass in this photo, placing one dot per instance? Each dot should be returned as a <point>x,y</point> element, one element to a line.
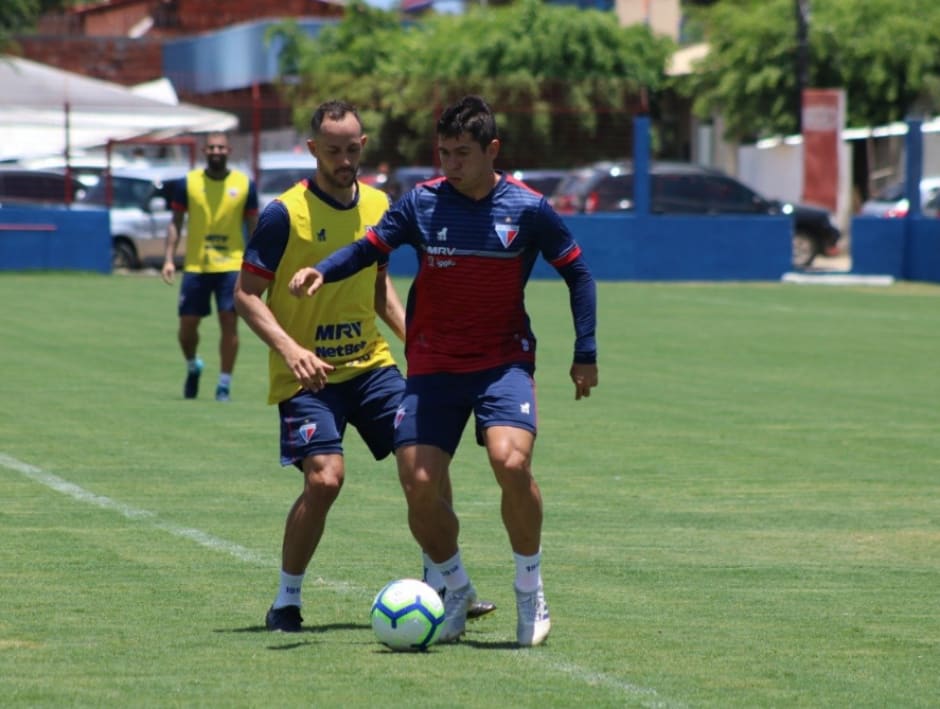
<point>491,645</point>
<point>327,627</point>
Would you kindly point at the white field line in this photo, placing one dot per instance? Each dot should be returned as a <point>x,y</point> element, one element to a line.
<point>649,698</point>
<point>54,482</point>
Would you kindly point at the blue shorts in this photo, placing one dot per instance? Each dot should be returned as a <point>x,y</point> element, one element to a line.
<point>197,289</point>
<point>436,406</point>
<point>313,423</point>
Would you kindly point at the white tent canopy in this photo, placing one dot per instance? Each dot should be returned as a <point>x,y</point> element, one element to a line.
<point>38,101</point>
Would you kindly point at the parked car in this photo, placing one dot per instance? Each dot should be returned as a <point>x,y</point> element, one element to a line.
<point>932,208</point>
<point>544,180</point>
<point>26,186</point>
<point>400,179</point>
<point>139,203</point>
<point>686,188</point>
<point>891,200</point>
<point>279,170</point>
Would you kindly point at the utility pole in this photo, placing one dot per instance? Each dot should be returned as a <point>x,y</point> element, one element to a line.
<point>802,57</point>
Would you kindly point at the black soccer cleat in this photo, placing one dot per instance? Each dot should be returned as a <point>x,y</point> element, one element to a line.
<point>478,609</point>
<point>286,619</point>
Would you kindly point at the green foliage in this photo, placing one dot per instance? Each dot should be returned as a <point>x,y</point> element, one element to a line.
<point>564,81</point>
<point>20,16</point>
<point>16,16</point>
<point>887,61</point>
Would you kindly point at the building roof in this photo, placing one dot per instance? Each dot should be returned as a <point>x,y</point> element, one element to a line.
<point>40,100</point>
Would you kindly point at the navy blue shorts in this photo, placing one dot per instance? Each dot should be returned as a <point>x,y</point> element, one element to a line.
<point>436,407</point>
<point>197,289</point>
<point>313,423</point>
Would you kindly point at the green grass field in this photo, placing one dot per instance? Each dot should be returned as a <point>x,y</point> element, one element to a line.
<point>745,514</point>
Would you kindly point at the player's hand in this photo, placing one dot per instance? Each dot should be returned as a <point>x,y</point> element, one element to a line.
<point>584,377</point>
<point>308,369</point>
<point>167,272</point>
<point>306,281</point>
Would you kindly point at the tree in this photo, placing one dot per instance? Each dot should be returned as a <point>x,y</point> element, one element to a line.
<point>19,16</point>
<point>16,16</point>
<point>887,61</point>
<point>565,82</point>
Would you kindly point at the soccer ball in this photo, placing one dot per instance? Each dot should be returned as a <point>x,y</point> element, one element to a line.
<point>407,615</point>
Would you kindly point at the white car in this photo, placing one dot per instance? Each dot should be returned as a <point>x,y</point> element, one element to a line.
<point>139,205</point>
<point>280,170</point>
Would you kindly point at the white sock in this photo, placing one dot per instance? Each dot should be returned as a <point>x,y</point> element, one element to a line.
<point>225,380</point>
<point>432,577</point>
<point>528,571</point>
<point>455,575</point>
<point>289,592</point>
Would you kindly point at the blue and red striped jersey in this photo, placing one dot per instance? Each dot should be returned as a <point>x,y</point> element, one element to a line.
<point>466,307</point>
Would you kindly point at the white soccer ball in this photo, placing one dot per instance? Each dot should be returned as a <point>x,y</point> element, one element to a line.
<point>407,615</point>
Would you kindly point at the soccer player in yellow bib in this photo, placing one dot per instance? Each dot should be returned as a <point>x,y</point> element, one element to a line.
<point>220,204</point>
<point>329,364</point>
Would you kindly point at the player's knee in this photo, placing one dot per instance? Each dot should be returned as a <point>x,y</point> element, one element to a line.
<point>324,482</point>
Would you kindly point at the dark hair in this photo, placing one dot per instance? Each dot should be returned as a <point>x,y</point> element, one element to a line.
<point>334,110</point>
<point>471,115</point>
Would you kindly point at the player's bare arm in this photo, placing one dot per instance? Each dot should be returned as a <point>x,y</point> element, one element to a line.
<point>306,281</point>
<point>584,377</point>
<point>173,231</point>
<point>309,370</point>
<point>388,305</point>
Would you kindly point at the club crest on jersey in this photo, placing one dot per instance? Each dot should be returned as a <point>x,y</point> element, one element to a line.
<point>507,233</point>
<point>307,431</point>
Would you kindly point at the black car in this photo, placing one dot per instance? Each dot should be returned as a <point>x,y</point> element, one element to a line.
<point>543,180</point>
<point>686,188</point>
<point>25,186</point>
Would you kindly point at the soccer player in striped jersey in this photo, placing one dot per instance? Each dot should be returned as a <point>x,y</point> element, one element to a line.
<point>329,364</point>
<point>470,348</point>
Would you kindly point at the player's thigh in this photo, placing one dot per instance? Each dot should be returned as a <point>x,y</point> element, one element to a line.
<point>506,399</point>
<point>311,424</point>
<point>378,394</point>
<point>434,411</point>
<point>195,294</point>
<point>224,288</point>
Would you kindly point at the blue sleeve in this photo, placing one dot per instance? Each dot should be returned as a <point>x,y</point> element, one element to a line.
<point>349,260</point>
<point>560,249</point>
<point>180,195</point>
<point>251,204</point>
<point>266,245</point>
<point>555,240</point>
<point>582,292</point>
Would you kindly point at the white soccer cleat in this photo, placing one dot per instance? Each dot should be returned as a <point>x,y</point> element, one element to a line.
<point>456,605</point>
<point>534,623</point>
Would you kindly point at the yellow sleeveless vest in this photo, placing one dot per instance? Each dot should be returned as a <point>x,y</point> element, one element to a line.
<point>339,323</point>
<point>215,241</point>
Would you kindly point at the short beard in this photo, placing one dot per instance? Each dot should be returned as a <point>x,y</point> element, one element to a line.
<point>340,183</point>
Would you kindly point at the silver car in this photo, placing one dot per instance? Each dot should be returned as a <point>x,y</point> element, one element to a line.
<point>892,202</point>
<point>279,170</point>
